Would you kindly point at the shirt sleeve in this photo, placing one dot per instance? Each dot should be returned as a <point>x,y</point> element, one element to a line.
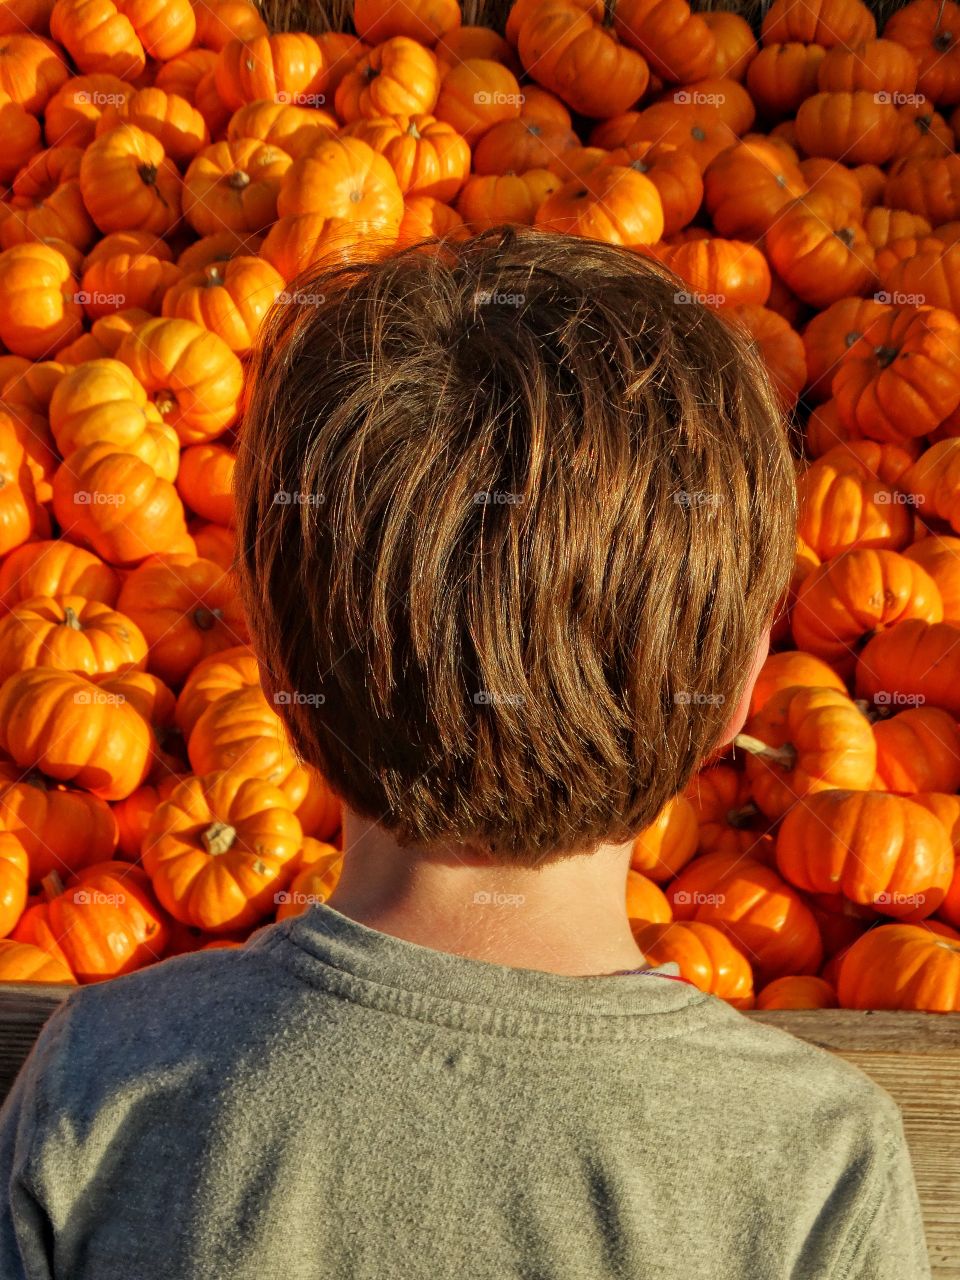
<point>892,1245</point>
<point>26,1233</point>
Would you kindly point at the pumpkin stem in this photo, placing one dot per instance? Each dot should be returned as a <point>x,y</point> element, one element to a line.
<point>71,620</point>
<point>218,838</point>
<point>885,356</point>
<point>206,619</point>
<point>52,885</point>
<point>741,817</point>
<point>215,276</point>
<point>413,131</point>
<point>148,174</point>
<point>36,779</point>
<point>785,756</point>
<point>845,235</point>
<point>238,180</point>
<point>166,402</point>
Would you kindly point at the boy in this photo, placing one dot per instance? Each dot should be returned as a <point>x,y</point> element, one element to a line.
<point>536,515</point>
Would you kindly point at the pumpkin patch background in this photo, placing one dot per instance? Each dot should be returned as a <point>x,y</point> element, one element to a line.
<point>169,170</point>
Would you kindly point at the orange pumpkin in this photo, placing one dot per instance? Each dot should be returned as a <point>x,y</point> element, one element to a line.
<point>489,201</point>
<point>128,182</point>
<point>178,126</point>
<point>931,31</point>
<point>218,248</point>
<point>668,844</point>
<point>233,186</point>
<point>939,556</point>
<point>646,902</point>
<point>779,347</point>
<point>182,75</point>
<point>241,730</point>
<point>75,731</point>
<point>735,46</point>
<point>217,849</point>
<point>675,175</point>
<point>126,282</point>
<point>726,816</point>
<point>315,880</point>
<point>343,178</point>
<point>823,22</point>
<point>396,78</point>
<point>39,311</point>
<point>213,677</point>
<point>289,67</point>
<point>105,923</point>
<point>205,481</point>
<point>70,634</point>
<point>932,481</point>
<point>762,915</point>
<point>916,661</point>
<point>855,595</point>
<point>747,185</point>
<point>843,506</point>
<point>46,203</point>
<point>783,75</point>
<point>428,157</point>
<point>720,273</point>
<point>132,815</point>
<point>60,829</point>
<point>829,334</point>
<point>423,20</point>
<point>677,44</point>
<point>918,750</point>
<point>220,21</point>
<point>231,299</point>
<point>705,956</point>
<point>23,962</point>
<point>71,116</point>
<point>901,966</point>
<point>189,374</point>
<point>795,991</point>
<point>476,95</point>
<point>216,543</point>
<point>928,185</point>
<point>18,503</point>
<point>296,243</point>
<point>474,42</point>
<point>859,127</point>
<point>804,740</point>
<point>98,400</point>
<point>612,203</point>
<point>282,124</point>
<point>55,568</point>
<point>819,250</point>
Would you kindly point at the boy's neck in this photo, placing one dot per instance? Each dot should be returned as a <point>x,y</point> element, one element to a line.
<point>566,918</point>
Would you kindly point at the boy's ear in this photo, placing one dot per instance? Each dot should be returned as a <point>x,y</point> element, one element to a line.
<point>741,712</point>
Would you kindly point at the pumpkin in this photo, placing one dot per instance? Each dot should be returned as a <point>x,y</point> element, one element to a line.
<point>677,44</point>
<point>25,15</point>
<point>946,808</point>
<point>22,137</point>
<point>930,29</point>
<point>189,373</point>
<point>58,827</point>
<point>661,849</point>
<point>13,881</point>
<point>211,105</point>
<point>512,197</point>
<point>425,218</point>
<point>698,129</point>
<point>105,923</point>
<point>115,503</point>
<point>939,556</point>
<point>220,21</point>
<point>544,107</point>
<point>31,70</point>
<point>183,74</point>
<point>726,816</point>
<point>570,48</point>
<point>722,273</point>
<point>54,569</point>
<point>186,608</point>
<point>75,731</point>
<point>877,849</point>
<point>343,178</point>
<point>705,956</point>
<point>126,282</point>
<point>216,850</point>
<point>916,661</point>
<point>314,881</point>
<point>205,481</point>
<point>71,634</point>
<point>241,730</point>
<point>829,178</point>
<point>281,124</point>
<point>779,347</point>
<point>901,378</point>
<point>829,334</point>
<point>923,132</point>
<point>47,203</point>
<point>824,22</point>
<point>928,185</point>
<point>795,991</point>
<point>218,248</point>
<point>729,99</point>
<point>288,67</point>
<point>221,673</point>
<point>878,66</point>
<point>128,182</point>
<point>519,144</point>
<point>18,502</point>
<point>132,815</point>
<point>789,668</point>
<point>675,175</point>
<point>761,914</point>
<point>901,966</point>
<point>396,78</point>
<point>824,430</point>
<point>97,400</point>
<point>427,156</point>
<point>884,225</point>
<point>858,127</point>
<point>747,185</point>
<point>476,95</point>
<point>646,902</point>
<point>918,750</point>
<point>804,740</point>
<point>33,436</point>
<point>23,962</point>
<point>178,126</point>
<point>214,542</point>
<point>301,241</point>
<point>782,76</point>
<point>230,299</point>
<point>855,595</point>
<point>233,186</point>
<point>462,43</point>
<point>930,276</point>
<point>38,307</point>
<point>819,250</point>
<point>932,481</point>
<point>613,203</point>
<point>734,44</point>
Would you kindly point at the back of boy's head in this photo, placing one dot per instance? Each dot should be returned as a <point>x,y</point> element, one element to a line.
<point>513,517</point>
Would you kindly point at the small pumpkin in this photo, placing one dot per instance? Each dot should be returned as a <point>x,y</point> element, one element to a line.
<point>205,481</point>
<point>705,955</point>
<point>60,828</point>
<point>70,634</point>
<point>918,750</point>
<point>829,334</point>
<point>428,156</point>
<point>735,45</point>
<point>220,21</point>
<point>930,29</point>
<point>314,881</point>
<point>782,76</point>
<point>396,78</point>
<point>343,178</point>
<point>222,672</point>
<point>490,201</point>
<point>677,43</point>
<point>824,22</point>
<point>300,241</point>
<point>726,816</point>
<point>858,127</point>
<point>901,966</point>
<point>31,70</point>
<point>287,67</point>
<point>915,660</point>
<point>183,74</point>
<point>612,203</point>
<point>233,186</point>
<point>216,850</point>
<point>23,962</point>
<point>241,730</point>
<point>795,991</point>
<point>646,902</point>
<point>39,311</point>
<point>126,282</point>
<point>939,556</point>
<point>747,185</point>
<point>780,348</point>
<point>721,273</point>
<point>230,298</point>
<point>47,203</point>
<point>928,185</point>
<point>19,510</point>
<point>128,182</point>
<point>55,568</point>
<point>661,849</point>
<point>422,20</point>
<point>820,252</point>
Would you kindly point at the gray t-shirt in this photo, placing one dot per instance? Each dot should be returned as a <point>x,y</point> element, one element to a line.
<point>332,1103</point>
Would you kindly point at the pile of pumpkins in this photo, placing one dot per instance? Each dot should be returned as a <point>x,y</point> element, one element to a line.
<point>168,171</point>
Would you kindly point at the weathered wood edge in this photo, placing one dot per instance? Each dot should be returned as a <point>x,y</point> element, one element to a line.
<point>871,1030</point>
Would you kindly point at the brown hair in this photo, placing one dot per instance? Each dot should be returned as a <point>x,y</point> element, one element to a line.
<point>513,516</point>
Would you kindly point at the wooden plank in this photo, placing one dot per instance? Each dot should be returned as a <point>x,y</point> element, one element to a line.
<point>914,1056</point>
